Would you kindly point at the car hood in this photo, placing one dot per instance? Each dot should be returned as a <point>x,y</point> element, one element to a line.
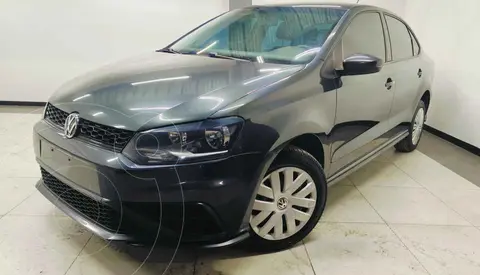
<point>159,89</point>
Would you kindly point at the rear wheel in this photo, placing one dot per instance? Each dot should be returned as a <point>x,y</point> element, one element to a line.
<point>410,143</point>
<point>289,201</point>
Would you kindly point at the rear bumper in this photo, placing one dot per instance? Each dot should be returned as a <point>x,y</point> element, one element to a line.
<point>163,204</point>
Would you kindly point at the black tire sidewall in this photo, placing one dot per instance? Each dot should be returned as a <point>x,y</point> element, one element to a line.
<point>406,145</point>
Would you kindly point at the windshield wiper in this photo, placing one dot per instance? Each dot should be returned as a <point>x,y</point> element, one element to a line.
<point>168,50</point>
<point>217,55</point>
<point>209,54</point>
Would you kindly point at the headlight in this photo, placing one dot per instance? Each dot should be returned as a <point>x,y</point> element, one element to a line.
<point>189,142</point>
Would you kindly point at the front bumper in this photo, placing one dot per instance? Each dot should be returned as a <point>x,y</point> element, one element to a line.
<point>202,204</point>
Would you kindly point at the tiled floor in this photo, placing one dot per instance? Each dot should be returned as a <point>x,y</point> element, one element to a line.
<point>401,214</point>
<point>449,155</point>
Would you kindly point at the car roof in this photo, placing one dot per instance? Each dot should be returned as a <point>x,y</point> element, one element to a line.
<point>347,6</point>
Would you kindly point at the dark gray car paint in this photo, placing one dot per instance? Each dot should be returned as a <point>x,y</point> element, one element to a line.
<point>293,100</point>
<point>194,88</point>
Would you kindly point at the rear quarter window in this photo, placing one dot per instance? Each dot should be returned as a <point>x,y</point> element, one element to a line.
<point>416,46</point>
<point>400,38</point>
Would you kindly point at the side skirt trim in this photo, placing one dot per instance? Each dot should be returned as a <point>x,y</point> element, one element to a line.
<point>354,166</point>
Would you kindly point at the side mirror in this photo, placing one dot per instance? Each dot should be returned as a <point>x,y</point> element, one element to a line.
<point>359,64</point>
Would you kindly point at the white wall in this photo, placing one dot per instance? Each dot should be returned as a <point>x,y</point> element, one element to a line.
<point>44,43</point>
<point>449,35</point>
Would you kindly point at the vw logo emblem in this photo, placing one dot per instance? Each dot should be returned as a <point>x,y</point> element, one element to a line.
<point>282,203</point>
<point>71,125</point>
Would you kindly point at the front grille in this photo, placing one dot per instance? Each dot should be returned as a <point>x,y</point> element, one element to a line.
<point>99,213</point>
<point>55,115</point>
<point>104,136</point>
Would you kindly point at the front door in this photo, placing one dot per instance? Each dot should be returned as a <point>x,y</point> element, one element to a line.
<point>363,101</point>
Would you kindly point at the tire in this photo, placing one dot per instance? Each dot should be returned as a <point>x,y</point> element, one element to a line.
<point>311,185</point>
<point>411,142</point>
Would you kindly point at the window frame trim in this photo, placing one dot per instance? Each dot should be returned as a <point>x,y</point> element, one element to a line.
<point>414,39</point>
<point>411,35</point>
<point>385,57</point>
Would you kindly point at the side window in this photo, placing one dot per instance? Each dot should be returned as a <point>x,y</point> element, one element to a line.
<point>400,38</point>
<point>365,35</point>
<point>416,46</point>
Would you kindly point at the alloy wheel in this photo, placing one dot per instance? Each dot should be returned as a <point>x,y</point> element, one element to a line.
<point>284,203</point>
<point>418,126</point>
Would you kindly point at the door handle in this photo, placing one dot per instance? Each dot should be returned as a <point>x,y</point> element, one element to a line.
<point>389,83</point>
<point>419,73</point>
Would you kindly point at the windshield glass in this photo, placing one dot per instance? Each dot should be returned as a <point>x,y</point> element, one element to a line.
<point>289,35</point>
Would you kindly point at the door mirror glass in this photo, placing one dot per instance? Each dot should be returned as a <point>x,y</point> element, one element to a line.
<point>359,64</point>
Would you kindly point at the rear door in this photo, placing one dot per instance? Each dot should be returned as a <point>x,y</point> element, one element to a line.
<point>407,67</point>
<point>363,101</point>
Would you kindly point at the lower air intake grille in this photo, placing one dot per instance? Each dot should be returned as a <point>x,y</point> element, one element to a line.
<point>99,213</point>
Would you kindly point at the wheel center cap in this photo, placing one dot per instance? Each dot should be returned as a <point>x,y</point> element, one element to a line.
<point>282,203</point>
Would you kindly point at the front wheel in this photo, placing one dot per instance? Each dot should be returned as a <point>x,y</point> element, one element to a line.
<point>410,143</point>
<point>289,201</point>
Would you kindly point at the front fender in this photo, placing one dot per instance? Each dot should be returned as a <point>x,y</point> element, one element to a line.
<point>259,175</point>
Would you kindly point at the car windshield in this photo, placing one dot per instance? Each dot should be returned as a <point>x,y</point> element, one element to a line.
<point>288,35</point>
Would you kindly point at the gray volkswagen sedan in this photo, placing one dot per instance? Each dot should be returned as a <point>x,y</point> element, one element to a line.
<point>234,131</point>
